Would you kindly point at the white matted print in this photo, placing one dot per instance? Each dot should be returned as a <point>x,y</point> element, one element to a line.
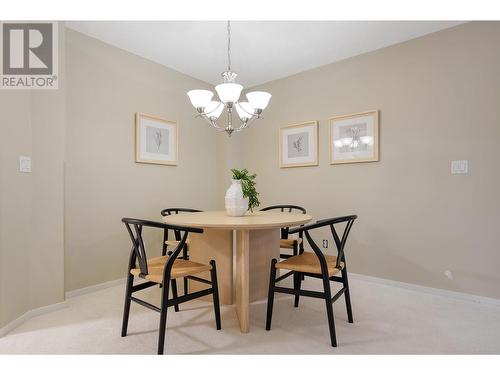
<point>354,138</point>
<point>299,145</point>
<point>156,140</point>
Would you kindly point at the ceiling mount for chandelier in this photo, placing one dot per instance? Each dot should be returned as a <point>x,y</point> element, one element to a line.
<point>229,95</point>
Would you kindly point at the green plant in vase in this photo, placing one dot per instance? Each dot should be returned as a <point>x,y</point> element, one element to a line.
<point>248,186</point>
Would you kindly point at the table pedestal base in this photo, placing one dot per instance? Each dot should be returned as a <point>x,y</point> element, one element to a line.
<point>218,245</point>
<point>254,251</point>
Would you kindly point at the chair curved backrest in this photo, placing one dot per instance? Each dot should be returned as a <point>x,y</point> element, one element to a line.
<point>339,241</point>
<point>177,235</point>
<point>285,208</point>
<point>176,210</point>
<point>138,252</point>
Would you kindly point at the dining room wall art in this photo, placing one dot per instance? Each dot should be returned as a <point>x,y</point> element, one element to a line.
<point>298,145</point>
<point>354,138</point>
<point>155,140</point>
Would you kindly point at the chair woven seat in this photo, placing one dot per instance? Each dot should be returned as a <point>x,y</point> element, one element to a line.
<point>174,243</point>
<point>181,268</point>
<point>309,263</point>
<point>288,243</point>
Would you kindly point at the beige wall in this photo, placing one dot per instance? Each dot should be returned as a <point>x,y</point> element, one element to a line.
<point>438,97</point>
<point>16,203</point>
<point>31,204</point>
<point>106,87</point>
<point>438,100</point>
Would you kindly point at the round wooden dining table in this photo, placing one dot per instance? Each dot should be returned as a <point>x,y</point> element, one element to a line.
<point>256,243</point>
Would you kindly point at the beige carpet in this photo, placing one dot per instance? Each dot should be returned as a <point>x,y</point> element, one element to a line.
<point>388,320</point>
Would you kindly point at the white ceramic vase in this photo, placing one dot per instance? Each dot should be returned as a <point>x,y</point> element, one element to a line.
<point>236,204</point>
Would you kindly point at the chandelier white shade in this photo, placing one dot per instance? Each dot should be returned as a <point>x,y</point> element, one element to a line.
<point>259,99</point>
<point>200,98</point>
<point>229,94</point>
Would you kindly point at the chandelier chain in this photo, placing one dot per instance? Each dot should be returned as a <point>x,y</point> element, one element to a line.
<point>229,45</point>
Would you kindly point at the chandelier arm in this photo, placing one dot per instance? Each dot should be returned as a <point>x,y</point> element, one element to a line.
<point>213,124</point>
<point>242,127</point>
<point>232,129</point>
<point>245,124</point>
<point>208,113</point>
<point>244,110</point>
<point>252,119</point>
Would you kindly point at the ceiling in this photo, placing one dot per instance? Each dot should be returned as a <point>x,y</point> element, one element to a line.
<point>261,51</point>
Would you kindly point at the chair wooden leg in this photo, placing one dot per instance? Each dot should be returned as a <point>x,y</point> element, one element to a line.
<point>301,251</point>
<point>270,295</point>
<point>329,310</point>
<point>185,255</point>
<point>215,294</point>
<point>174,293</point>
<point>163,317</point>
<point>126,308</point>
<point>297,280</point>
<point>186,285</point>
<point>347,296</point>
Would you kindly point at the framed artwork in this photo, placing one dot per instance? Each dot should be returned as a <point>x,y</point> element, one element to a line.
<point>155,140</point>
<point>298,145</point>
<point>354,138</point>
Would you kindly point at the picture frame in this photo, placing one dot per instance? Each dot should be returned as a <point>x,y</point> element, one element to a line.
<point>298,145</point>
<point>354,138</point>
<point>156,140</point>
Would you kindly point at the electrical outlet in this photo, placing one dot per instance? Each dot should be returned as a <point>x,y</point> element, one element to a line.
<point>325,244</point>
<point>25,164</point>
<point>459,167</point>
<point>448,274</point>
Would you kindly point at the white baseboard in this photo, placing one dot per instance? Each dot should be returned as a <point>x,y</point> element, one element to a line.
<point>428,290</point>
<point>31,314</point>
<point>377,280</point>
<point>94,288</point>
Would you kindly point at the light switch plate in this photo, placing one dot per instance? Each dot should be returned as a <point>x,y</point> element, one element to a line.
<point>25,164</point>
<point>459,167</point>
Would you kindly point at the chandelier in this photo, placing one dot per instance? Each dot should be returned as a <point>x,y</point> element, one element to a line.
<point>229,96</point>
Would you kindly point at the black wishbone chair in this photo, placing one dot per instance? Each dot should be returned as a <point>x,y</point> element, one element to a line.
<point>296,244</point>
<point>177,237</point>
<point>285,241</point>
<point>163,270</point>
<point>317,265</point>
